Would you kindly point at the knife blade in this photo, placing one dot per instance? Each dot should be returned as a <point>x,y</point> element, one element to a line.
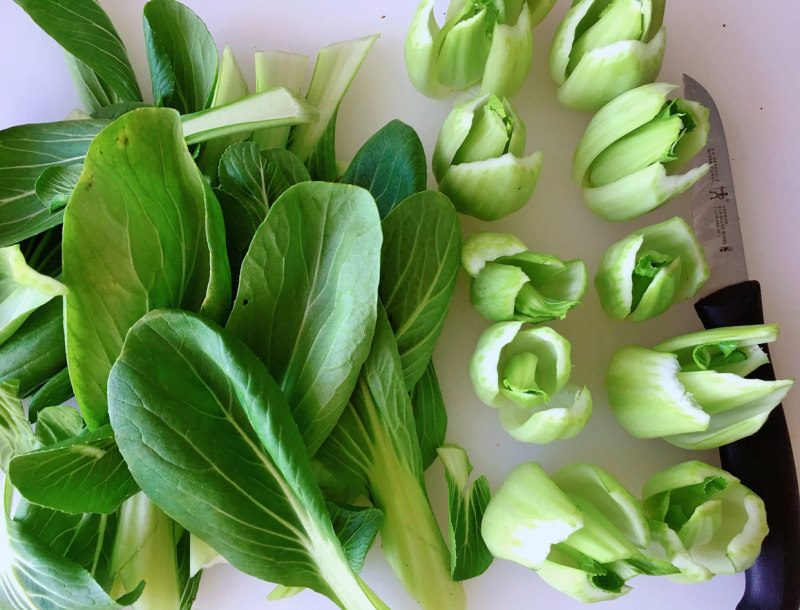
<point>764,461</point>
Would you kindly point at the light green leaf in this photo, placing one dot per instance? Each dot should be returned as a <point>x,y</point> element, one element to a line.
<point>278,69</point>
<point>86,32</point>
<point>181,54</point>
<point>159,241</point>
<point>16,435</point>
<point>306,299</point>
<point>419,261</point>
<point>258,505</point>
<point>56,424</point>
<point>55,185</point>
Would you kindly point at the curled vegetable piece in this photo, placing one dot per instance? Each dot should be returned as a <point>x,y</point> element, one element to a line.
<point>626,160</point>
<point>602,49</point>
<point>525,374</point>
<point>511,283</point>
<point>486,42</point>
<point>708,522</point>
<point>640,276</point>
<point>691,390</point>
<point>580,529</point>
<point>479,161</point>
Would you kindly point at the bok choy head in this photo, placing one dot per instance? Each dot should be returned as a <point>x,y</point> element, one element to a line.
<point>707,521</point>
<point>626,160</point>
<point>479,159</point>
<point>482,42</point>
<point>603,48</point>
<point>511,283</point>
<point>640,276</point>
<point>692,390</point>
<point>525,374</point>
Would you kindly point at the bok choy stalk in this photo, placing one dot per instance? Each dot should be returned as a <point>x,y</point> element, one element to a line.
<point>706,521</point>
<point>627,159</point>
<point>640,276</point>
<point>691,390</point>
<point>374,449</point>
<point>580,529</point>
<point>525,375</point>
<point>479,159</point>
<point>482,42</point>
<point>511,283</point>
<point>603,48</point>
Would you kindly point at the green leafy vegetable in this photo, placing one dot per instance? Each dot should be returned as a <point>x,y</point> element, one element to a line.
<point>83,474</point>
<point>524,373</point>
<point>278,69</point>
<point>628,155</point>
<point>55,185</point>
<point>690,406</point>
<point>511,283</point>
<point>260,505</point>
<point>602,49</point>
<point>419,261</point>
<point>375,444</point>
<point>430,415</point>
<point>390,165</point>
<point>306,299</point>
<point>640,276</point>
<point>86,32</point>
<point>469,556</point>
<point>159,242</point>
<point>181,54</point>
<point>479,159</point>
<point>25,152</point>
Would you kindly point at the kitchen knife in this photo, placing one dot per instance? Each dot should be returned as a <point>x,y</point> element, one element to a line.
<point>763,461</point>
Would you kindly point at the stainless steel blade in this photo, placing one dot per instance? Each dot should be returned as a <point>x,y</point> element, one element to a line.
<point>714,211</point>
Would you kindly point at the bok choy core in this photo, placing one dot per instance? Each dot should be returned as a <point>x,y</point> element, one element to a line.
<point>603,48</point>
<point>640,276</point>
<point>627,158</point>
<point>483,42</point>
<point>479,159</point>
<point>525,374</point>
<point>511,283</point>
<point>580,529</point>
<point>706,521</point>
<point>691,390</point>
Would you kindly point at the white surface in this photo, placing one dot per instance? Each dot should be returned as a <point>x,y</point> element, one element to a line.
<point>745,56</point>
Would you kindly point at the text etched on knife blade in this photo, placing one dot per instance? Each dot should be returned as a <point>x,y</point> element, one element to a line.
<point>719,193</point>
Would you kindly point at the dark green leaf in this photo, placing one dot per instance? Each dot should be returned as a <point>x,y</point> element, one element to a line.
<point>85,539</point>
<point>469,555</point>
<point>55,391</point>
<point>86,32</point>
<point>188,584</point>
<point>83,474</point>
<point>356,528</point>
<point>56,424</point>
<point>35,352</point>
<point>321,161</point>
<point>93,92</point>
<point>142,230</point>
<point>26,151</point>
<point>391,165</point>
<point>420,258</point>
<point>208,435</point>
<point>35,576</point>
<point>430,415</point>
<point>307,294</point>
<point>182,56</point>
<point>43,252</point>
<point>55,184</point>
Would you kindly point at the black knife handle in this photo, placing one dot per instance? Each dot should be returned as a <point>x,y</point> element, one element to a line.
<point>764,463</point>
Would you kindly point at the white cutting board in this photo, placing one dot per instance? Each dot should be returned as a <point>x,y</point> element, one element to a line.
<point>746,56</point>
